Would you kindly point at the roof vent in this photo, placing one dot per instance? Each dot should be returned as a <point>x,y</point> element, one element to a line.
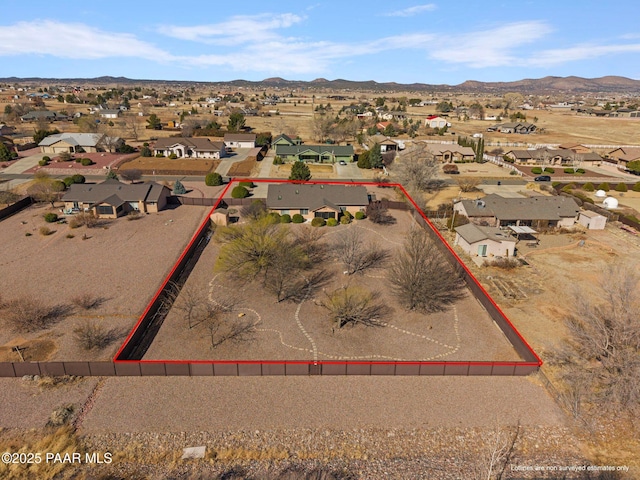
<point>321,186</point>
<point>279,197</point>
<point>480,203</point>
<point>297,191</point>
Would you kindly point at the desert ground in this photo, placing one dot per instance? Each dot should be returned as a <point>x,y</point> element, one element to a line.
<point>301,329</point>
<point>120,263</point>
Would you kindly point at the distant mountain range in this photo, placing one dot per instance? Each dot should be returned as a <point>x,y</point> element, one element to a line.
<point>608,84</point>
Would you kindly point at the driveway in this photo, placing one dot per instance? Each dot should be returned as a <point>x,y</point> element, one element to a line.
<point>23,164</point>
<point>349,171</point>
<point>236,156</point>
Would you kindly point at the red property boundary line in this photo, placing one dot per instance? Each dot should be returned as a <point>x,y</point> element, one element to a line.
<point>456,367</point>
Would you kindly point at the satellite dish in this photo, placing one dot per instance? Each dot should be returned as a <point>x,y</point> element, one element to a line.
<point>601,194</point>
<point>610,203</point>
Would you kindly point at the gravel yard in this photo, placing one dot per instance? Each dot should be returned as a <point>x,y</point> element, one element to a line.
<point>121,262</point>
<point>294,330</point>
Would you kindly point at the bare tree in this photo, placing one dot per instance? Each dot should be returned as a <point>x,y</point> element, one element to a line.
<point>468,184</point>
<point>353,306</point>
<point>46,191</point>
<point>130,174</point>
<point>416,168</point>
<point>309,239</point>
<point>284,277</point>
<point>421,278</point>
<point>321,126</point>
<point>605,340</point>
<point>131,126</point>
<point>378,213</point>
<point>222,328</point>
<point>356,255</point>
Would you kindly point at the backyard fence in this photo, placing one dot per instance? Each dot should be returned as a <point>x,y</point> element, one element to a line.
<point>16,207</point>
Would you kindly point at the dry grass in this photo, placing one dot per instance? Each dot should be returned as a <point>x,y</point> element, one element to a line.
<point>150,164</point>
<point>243,168</point>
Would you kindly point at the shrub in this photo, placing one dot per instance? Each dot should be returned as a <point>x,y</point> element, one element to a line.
<point>569,188</point>
<point>506,263</point>
<point>278,161</point>
<point>359,215</point>
<point>581,171</point>
<point>549,170</point>
<point>173,156</point>
<point>70,235</point>
<point>318,222</point>
<point>178,188</point>
<point>77,178</point>
<point>247,184</point>
<point>332,222</point>
<point>29,314</point>
<point>86,162</point>
<point>555,184</point>
<point>604,186</point>
<point>513,172</point>
<point>450,168</point>
<point>78,160</point>
<point>582,197</point>
<point>65,157</point>
<point>50,217</point>
<point>536,170</point>
<point>569,170</point>
<point>46,158</point>
<point>636,187</point>
<point>45,231</point>
<point>621,187</point>
<point>297,218</point>
<point>588,187</point>
<point>286,218</point>
<point>27,234</point>
<point>43,163</point>
<point>159,155</point>
<point>345,220</point>
<point>239,192</point>
<point>86,301</point>
<point>84,218</point>
<point>213,179</point>
<point>274,217</point>
<point>91,335</point>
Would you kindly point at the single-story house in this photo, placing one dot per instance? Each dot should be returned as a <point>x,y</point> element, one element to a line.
<point>623,155</point>
<point>189,147</point>
<point>592,220</point>
<point>451,152</point>
<point>112,198</point>
<point>481,241</point>
<point>552,156</point>
<point>575,147</point>
<point>109,113</point>
<point>537,212</point>
<point>240,140</point>
<point>6,129</point>
<point>284,139</point>
<point>42,114</point>
<point>386,144</point>
<point>513,127</point>
<point>435,121</point>
<point>398,116</point>
<point>77,143</point>
<point>318,200</point>
<point>316,153</point>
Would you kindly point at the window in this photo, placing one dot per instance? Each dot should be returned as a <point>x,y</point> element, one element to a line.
<point>284,212</point>
<point>304,211</point>
<point>104,210</point>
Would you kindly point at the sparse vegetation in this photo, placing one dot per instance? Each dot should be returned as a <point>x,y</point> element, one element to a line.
<point>50,217</point>
<point>355,306</point>
<point>318,222</point>
<point>27,314</point>
<point>91,335</point>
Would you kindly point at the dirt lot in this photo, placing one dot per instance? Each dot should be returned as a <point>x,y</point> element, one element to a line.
<point>150,164</point>
<point>121,262</point>
<point>301,330</point>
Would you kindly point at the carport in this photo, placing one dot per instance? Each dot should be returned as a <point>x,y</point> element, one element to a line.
<point>528,232</point>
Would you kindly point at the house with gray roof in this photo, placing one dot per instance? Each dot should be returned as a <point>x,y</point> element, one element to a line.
<point>284,139</point>
<point>317,200</point>
<point>482,241</point>
<point>315,153</point>
<point>42,114</point>
<point>513,127</point>
<point>77,143</point>
<point>112,198</point>
<point>537,212</point>
<point>189,147</point>
<point>451,152</point>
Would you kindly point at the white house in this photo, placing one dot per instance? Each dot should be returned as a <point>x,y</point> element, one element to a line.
<point>189,147</point>
<point>435,121</point>
<point>240,140</point>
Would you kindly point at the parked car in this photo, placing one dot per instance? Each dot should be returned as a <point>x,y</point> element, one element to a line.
<point>542,178</point>
<point>342,162</point>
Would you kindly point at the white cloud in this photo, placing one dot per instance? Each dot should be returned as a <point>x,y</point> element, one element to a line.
<point>237,30</point>
<point>489,48</point>
<point>559,56</point>
<point>411,11</point>
<point>73,40</point>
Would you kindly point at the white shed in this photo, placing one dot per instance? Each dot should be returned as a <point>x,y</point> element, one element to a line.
<point>484,241</point>
<point>592,220</point>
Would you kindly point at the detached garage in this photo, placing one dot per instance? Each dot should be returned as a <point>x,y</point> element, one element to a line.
<point>484,241</point>
<point>592,220</point>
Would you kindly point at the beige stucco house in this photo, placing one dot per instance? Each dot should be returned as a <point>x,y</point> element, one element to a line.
<point>310,201</point>
<point>76,143</point>
<point>189,147</point>
<point>112,198</point>
<point>484,241</point>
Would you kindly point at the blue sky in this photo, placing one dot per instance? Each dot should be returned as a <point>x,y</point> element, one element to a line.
<point>401,41</point>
